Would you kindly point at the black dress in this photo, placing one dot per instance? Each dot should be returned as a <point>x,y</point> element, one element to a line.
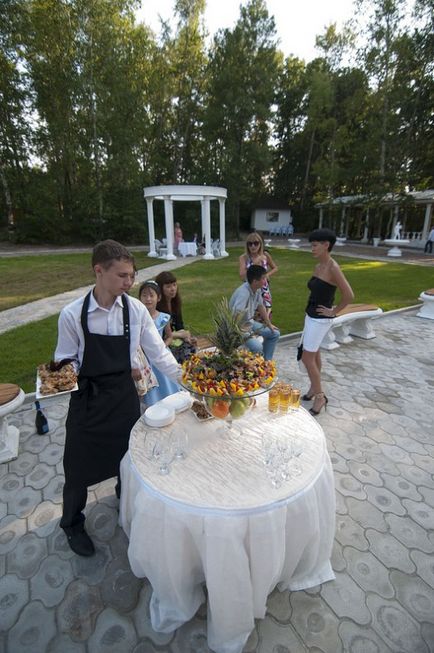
<point>322,293</point>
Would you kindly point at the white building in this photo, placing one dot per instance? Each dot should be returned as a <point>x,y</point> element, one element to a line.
<point>272,216</point>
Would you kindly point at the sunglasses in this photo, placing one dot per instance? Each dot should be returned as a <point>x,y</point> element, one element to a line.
<point>253,242</point>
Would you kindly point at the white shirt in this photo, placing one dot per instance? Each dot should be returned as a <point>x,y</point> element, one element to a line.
<point>109,322</point>
<point>245,300</point>
<point>431,235</point>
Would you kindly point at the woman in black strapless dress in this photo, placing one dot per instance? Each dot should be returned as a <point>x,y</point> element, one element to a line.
<point>320,310</point>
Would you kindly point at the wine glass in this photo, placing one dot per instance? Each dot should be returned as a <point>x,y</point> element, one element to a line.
<point>152,436</point>
<point>164,454</point>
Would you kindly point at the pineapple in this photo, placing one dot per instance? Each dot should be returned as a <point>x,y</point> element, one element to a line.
<point>228,334</point>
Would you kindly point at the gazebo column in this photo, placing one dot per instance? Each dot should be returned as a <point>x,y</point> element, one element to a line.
<point>426,222</point>
<point>223,251</point>
<point>342,227</point>
<point>206,227</point>
<point>321,215</point>
<point>366,228</point>
<point>151,228</point>
<point>168,219</point>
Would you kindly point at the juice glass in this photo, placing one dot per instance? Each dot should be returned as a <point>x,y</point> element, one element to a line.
<point>295,399</point>
<point>273,400</point>
<point>285,397</point>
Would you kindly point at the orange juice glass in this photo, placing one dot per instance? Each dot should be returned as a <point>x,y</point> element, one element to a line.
<point>295,399</point>
<point>273,400</point>
<point>284,397</point>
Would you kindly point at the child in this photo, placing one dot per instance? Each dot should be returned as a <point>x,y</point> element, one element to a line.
<point>182,343</point>
<point>101,333</point>
<point>149,295</point>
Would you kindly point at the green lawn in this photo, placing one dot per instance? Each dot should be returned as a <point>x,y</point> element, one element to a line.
<point>389,285</point>
<point>33,277</point>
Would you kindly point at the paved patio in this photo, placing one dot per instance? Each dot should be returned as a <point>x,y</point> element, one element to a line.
<point>380,434</point>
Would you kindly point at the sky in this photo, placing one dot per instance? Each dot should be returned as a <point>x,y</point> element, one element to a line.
<point>298,22</point>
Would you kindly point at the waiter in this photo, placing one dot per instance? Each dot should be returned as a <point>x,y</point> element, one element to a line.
<point>101,333</point>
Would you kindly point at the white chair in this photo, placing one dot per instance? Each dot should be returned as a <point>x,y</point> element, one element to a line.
<point>215,247</point>
<point>160,247</point>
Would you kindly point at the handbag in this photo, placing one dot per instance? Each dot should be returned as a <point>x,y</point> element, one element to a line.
<point>299,351</point>
<point>301,365</point>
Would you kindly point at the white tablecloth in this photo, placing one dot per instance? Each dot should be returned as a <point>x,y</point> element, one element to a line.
<point>187,249</point>
<point>216,519</point>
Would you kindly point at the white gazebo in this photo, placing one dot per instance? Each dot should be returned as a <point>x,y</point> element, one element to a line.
<point>181,193</point>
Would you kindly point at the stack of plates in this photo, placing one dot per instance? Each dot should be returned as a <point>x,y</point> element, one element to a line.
<point>179,401</point>
<point>159,415</point>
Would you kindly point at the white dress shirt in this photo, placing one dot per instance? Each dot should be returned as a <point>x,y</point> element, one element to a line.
<point>109,322</point>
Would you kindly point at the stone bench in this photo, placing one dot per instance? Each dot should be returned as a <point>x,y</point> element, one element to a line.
<point>354,320</point>
<point>11,398</point>
<point>427,308</point>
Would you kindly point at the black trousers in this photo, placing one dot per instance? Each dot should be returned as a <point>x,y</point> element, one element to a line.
<point>428,245</point>
<point>74,502</point>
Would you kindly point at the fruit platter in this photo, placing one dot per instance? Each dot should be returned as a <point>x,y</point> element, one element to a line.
<point>227,378</point>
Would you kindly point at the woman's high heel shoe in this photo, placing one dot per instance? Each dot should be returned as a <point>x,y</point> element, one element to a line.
<point>314,412</point>
<point>307,397</point>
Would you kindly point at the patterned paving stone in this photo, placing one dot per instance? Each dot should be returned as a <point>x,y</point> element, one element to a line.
<point>346,598</point>
<point>368,572</point>
<point>396,454</point>
<point>11,529</point>
<point>25,558</point>
<point>52,454</point>
<point>401,487</point>
<point>424,566</point>
<point>428,495</point>
<point>102,521</point>
<point>279,638</point>
<point>37,443</point>
<point>384,500</point>
<point>34,629</point>
<point>389,551</point>
<point>427,632</point>
<point>191,637</point>
<point>278,606</point>
<point>50,582</point>
<point>372,518</point>
<point>348,532</point>
<point>356,639</point>
<point>314,623</point>
<point>113,633</point>
<point>120,588</point>
<point>14,594</point>
<point>93,569</point>
<point>64,644</point>
<point>25,501</point>
<point>382,464</point>
<point>22,465</point>
<point>339,463</point>
<point>424,462</point>
<point>409,533</point>
<point>40,476</point>
<point>338,561</point>
<point>349,486</point>
<point>57,543</point>
<point>9,486</point>
<point>421,513</point>
<point>393,624</point>
<point>53,491</point>
<point>44,519</point>
<point>414,595</point>
<point>365,474</point>
<point>142,619</point>
<point>341,506</point>
<point>77,613</point>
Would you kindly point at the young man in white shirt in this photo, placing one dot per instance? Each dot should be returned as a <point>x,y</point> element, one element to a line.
<point>101,333</point>
<point>247,299</point>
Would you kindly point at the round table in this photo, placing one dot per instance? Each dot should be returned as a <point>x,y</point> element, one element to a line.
<point>216,519</point>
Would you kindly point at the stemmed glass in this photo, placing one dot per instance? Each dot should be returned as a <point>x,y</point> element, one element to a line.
<point>180,443</point>
<point>152,436</point>
<point>164,454</point>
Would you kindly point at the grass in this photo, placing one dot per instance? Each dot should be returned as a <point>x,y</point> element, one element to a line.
<point>33,277</point>
<point>388,285</point>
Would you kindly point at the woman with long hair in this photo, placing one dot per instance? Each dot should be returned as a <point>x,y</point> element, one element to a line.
<point>255,254</point>
<point>320,310</point>
<point>182,342</point>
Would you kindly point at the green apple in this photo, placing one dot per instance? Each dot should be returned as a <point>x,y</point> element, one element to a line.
<point>238,408</point>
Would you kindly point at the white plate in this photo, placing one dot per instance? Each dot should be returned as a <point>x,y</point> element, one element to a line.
<point>39,395</point>
<point>179,401</point>
<point>159,415</point>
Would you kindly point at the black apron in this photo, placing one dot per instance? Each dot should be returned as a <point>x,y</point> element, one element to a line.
<point>105,407</point>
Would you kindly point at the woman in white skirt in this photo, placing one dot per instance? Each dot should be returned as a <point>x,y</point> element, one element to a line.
<point>320,311</point>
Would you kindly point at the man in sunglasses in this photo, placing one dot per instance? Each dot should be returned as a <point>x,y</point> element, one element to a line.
<point>247,300</point>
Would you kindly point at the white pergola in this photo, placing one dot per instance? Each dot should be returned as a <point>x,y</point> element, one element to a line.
<point>181,193</point>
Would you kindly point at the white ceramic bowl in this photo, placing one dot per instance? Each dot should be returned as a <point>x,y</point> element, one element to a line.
<point>179,401</point>
<point>159,415</point>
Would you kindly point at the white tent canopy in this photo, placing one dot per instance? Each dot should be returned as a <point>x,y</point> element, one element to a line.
<point>181,193</point>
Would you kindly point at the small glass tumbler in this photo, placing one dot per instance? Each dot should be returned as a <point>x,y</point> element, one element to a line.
<point>285,398</point>
<point>295,399</point>
<point>273,400</point>
<point>180,443</point>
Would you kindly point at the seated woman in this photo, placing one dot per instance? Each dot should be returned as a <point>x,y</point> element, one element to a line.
<point>149,295</point>
<point>182,344</point>
<point>256,255</point>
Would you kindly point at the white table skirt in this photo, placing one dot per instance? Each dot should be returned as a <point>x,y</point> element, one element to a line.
<point>241,550</point>
<point>187,249</point>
